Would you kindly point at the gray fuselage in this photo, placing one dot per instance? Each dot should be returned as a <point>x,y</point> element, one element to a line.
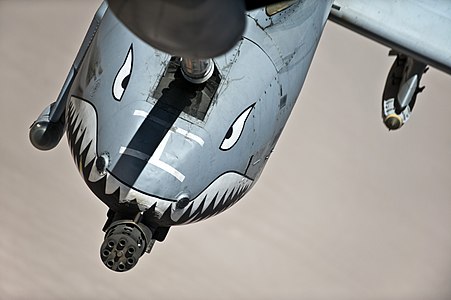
<point>144,139</point>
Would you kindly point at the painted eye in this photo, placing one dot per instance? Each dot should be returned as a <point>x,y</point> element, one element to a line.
<point>123,76</point>
<point>233,134</point>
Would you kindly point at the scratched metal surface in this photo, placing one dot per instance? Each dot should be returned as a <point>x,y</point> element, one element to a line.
<point>344,209</point>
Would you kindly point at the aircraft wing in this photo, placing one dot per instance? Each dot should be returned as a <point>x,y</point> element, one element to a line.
<point>420,29</point>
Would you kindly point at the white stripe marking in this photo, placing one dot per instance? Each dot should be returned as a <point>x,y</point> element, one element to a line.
<point>134,153</point>
<point>140,113</point>
<point>190,136</point>
<point>155,159</point>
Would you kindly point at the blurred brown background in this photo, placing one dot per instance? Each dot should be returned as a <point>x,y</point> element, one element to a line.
<point>344,210</point>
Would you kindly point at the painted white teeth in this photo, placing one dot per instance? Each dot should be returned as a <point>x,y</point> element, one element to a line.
<point>111,185</point>
<point>84,143</point>
<point>123,194</point>
<point>207,202</point>
<point>176,213</point>
<point>78,126</point>
<point>162,206</point>
<point>227,187</point>
<point>73,118</point>
<point>94,175</point>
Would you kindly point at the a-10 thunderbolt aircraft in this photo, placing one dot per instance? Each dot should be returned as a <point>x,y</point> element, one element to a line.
<point>172,108</point>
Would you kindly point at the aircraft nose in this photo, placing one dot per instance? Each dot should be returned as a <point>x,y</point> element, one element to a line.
<point>161,159</point>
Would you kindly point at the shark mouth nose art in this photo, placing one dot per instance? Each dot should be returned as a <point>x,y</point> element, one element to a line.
<point>219,195</point>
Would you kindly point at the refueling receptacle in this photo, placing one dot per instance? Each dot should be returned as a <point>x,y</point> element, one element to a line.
<point>197,71</point>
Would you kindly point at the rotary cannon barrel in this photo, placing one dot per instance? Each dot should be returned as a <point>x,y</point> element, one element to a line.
<point>125,242</point>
